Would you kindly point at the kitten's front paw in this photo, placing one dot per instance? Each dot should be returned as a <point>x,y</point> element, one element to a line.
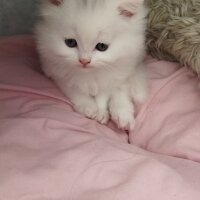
<point>102,116</point>
<point>86,107</point>
<point>124,120</point>
<point>123,117</point>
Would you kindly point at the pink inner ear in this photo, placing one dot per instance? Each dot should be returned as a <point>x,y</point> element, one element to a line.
<point>56,2</point>
<point>126,13</point>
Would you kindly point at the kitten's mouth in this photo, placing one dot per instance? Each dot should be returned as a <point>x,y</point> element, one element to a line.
<point>85,67</point>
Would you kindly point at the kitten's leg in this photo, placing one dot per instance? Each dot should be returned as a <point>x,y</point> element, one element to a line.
<point>122,109</point>
<point>83,103</point>
<point>102,104</point>
<point>138,85</point>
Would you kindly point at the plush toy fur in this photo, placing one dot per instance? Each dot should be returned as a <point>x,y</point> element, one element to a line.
<point>174,31</point>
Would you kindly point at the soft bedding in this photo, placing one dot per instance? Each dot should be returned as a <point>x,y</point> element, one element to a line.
<point>49,152</point>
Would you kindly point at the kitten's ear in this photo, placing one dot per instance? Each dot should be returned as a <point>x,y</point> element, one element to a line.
<point>56,2</point>
<point>128,8</point>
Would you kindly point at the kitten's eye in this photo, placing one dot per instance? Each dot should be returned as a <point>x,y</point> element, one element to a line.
<point>102,47</point>
<point>71,43</point>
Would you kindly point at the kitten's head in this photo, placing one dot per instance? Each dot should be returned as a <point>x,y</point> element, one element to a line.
<point>91,34</point>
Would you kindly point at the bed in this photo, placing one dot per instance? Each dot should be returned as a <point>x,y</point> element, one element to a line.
<point>50,152</point>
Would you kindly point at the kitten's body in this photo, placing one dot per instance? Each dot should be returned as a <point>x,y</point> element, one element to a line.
<point>112,79</point>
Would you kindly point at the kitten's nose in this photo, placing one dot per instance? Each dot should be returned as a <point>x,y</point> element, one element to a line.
<point>84,61</point>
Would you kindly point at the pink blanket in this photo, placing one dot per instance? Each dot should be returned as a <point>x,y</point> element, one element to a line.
<point>49,152</point>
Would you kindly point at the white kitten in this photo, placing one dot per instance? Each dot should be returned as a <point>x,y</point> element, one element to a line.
<point>93,50</point>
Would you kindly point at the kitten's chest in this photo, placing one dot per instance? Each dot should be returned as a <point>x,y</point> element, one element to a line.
<point>95,83</point>
<point>110,81</point>
<point>106,84</point>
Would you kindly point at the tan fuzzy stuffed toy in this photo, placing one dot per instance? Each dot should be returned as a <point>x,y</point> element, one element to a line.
<point>173,31</point>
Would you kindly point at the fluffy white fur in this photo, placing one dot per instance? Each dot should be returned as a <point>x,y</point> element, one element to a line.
<point>113,79</point>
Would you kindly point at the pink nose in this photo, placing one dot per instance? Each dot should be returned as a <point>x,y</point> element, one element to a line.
<point>84,61</point>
